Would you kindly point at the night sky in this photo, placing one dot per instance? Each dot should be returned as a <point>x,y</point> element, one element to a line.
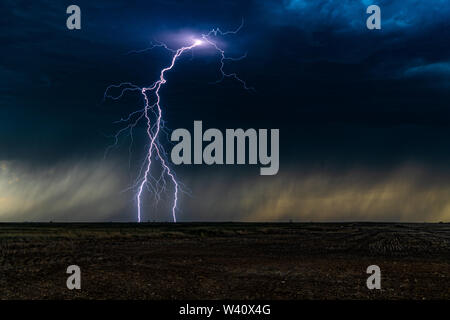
<point>364,115</point>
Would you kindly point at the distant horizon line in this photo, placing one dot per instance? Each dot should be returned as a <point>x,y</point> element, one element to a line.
<point>222,222</point>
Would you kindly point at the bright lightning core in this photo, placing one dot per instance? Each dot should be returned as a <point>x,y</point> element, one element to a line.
<point>152,115</point>
<point>198,42</point>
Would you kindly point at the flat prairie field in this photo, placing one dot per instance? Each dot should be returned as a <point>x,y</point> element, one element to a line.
<point>225,260</point>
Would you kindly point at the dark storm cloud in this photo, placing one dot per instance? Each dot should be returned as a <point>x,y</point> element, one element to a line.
<point>53,79</point>
<point>336,31</point>
<point>341,95</point>
<point>345,15</point>
<point>437,73</point>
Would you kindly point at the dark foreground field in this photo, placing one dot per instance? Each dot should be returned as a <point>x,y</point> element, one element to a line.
<point>225,261</point>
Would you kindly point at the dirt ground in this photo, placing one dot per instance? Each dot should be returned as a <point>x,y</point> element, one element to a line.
<point>225,261</point>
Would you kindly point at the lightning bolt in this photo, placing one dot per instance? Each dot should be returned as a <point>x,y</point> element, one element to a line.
<point>155,150</point>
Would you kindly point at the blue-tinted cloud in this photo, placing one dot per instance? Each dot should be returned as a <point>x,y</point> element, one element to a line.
<point>437,74</point>
<point>432,69</point>
<point>350,15</point>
